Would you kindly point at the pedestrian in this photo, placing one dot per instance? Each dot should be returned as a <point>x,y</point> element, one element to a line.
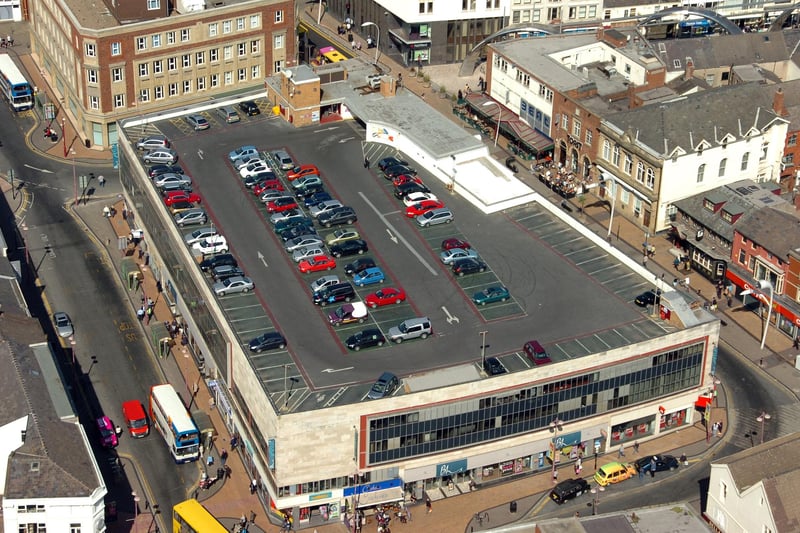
<point>719,427</point>
<point>106,211</point>
<point>220,474</point>
<point>684,460</point>
<point>641,472</point>
<point>644,260</point>
<point>252,517</point>
<point>466,88</point>
<point>796,342</point>
<point>227,472</point>
<point>243,521</point>
<point>713,304</point>
<point>621,450</point>
<point>366,163</point>
<point>460,95</point>
<point>714,429</point>
<point>555,475</point>
<point>223,456</point>
<point>101,180</point>
<point>636,447</point>
<point>676,263</point>
<point>653,467</point>
<point>253,486</point>
<point>408,513</point>
<point>140,313</point>
<point>428,503</point>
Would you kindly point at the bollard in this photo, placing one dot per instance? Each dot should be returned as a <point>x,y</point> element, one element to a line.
<point>512,507</point>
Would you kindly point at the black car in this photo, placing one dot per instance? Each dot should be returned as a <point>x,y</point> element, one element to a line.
<point>267,341</point>
<point>311,190</point>
<point>354,247</point>
<point>365,339</point>
<point>407,188</point>
<point>340,215</point>
<point>249,108</point>
<point>468,265</point>
<point>340,292</point>
<point>296,231</point>
<point>316,198</point>
<point>223,272</point>
<point>392,172</point>
<point>255,179</point>
<point>663,462</point>
<point>358,265</point>
<point>283,225</point>
<point>569,489</point>
<point>214,261</point>
<point>647,298</point>
<point>157,170</point>
<point>388,162</point>
<point>493,366</point>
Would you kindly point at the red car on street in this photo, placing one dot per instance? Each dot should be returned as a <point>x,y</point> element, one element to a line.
<point>173,197</point>
<point>267,185</point>
<point>406,178</point>
<point>279,205</point>
<point>423,207</point>
<point>317,263</point>
<point>302,170</point>
<point>449,244</point>
<point>385,296</point>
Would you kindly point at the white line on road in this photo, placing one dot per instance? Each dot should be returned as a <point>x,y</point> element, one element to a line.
<point>333,370</point>
<point>397,234</point>
<point>44,170</point>
<point>326,129</point>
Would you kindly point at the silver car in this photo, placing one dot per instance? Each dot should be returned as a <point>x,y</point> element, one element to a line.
<point>152,141</point>
<point>454,254</point>
<point>322,207</point>
<point>302,241</point>
<point>232,285</point>
<point>199,234</point>
<point>286,215</point>
<point>161,155</point>
<point>307,252</point>
<point>63,324</point>
<point>197,122</point>
<point>190,217</point>
<point>435,217</point>
<point>324,282</point>
<point>169,178</point>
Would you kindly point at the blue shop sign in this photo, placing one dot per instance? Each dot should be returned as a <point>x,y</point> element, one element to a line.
<point>271,454</point>
<point>372,487</point>
<point>570,439</point>
<point>453,467</point>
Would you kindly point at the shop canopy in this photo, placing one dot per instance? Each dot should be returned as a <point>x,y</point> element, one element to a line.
<point>534,140</point>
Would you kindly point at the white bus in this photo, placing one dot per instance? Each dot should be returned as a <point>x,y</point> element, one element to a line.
<point>173,421</point>
<point>16,89</point>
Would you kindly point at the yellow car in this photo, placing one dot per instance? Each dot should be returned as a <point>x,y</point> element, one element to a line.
<point>614,473</point>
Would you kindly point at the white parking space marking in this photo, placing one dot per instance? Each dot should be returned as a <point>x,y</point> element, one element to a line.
<point>402,239</point>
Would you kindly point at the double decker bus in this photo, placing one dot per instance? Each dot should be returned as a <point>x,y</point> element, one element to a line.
<point>191,517</point>
<point>174,423</point>
<point>16,89</point>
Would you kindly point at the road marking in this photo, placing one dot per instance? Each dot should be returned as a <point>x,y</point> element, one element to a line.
<point>400,237</point>
<point>450,318</point>
<point>200,154</point>
<point>392,237</point>
<point>262,259</point>
<point>327,129</point>
<point>342,141</point>
<point>334,370</point>
<point>44,170</point>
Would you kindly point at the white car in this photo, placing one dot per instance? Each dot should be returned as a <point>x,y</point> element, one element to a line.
<point>245,160</point>
<point>322,207</point>
<point>303,241</point>
<point>234,284</point>
<point>254,168</point>
<point>415,197</point>
<point>199,234</point>
<point>211,245</point>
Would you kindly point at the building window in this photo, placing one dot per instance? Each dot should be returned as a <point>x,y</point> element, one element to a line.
<point>213,29</point>
<point>240,24</point>
<point>255,72</point>
<point>173,89</point>
<point>606,150</point>
<point>186,60</point>
<point>255,21</point>
<point>187,86</point>
<point>144,70</point>
<point>172,63</point>
<point>91,76</point>
<point>116,49</point>
<point>278,42</point>
<point>723,491</point>
<point>94,102</point>
<point>90,49</point>
<point>564,122</point>
<point>201,83</point>
<point>745,158</point>
<point>639,171</point>
<point>701,170</point>
<point>722,165</point>
<point>576,128</point>
<point>229,77</point>
<point>159,92</point>
<point>119,100</point>
<point>277,66</point>
<point>628,164</point>
<point>615,155</point>
<point>242,74</point>
<point>255,46</point>
<point>242,49</point>
<point>227,26</point>
<point>185,36</point>
<point>158,66</point>
<point>792,139</point>
<point>764,151</point>
<point>200,58</point>
<point>116,74</point>
<point>651,179</point>
<point>153,5</point>
<point>74,528</point>
<point>588,137</point>
<point>213,55</point>
<point>214,81</point>
<point>227,53</point>
<point>156,40</point>
<point>144,95</point>
<point>279,16</point>
<point>141,43</point>
<point>170,37</point>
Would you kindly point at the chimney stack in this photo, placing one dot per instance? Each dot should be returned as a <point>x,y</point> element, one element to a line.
<point>688,73</point>
<point>778,104</point>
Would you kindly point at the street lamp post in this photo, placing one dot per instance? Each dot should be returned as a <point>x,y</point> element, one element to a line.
<point>763,417</point>
<point>499,118</point>
<point>764,284</point>
<point>555,427</point>
<point>483,348</point>
<point>377,41</point>
<point>613,194</point>
<point>74,177</point>
<point>596,498</point>
<point>135,508</point>
<point>64,134</point>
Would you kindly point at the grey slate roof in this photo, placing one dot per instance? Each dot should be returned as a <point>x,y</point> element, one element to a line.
<point>724,50</point>
<point>687,121</point>
<point>774,230</point>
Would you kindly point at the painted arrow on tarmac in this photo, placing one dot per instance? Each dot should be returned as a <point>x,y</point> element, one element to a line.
<point>262,259</point>
<point>392,237</point>
<point>332,370</point>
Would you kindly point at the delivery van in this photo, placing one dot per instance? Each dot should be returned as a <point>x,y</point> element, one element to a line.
<point>135,418</point>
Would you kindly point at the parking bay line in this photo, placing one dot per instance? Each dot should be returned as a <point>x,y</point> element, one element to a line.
<point>398,236</point>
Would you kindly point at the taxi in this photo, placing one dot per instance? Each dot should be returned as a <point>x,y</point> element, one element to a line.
<point>614,473</point>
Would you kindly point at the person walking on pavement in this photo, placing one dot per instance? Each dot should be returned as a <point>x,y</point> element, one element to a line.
<point>636,447</point>
<point>428,504</point>
<point>223,456</point>
<point>621,450</point>
<point>101,180</point>
<point>653,467</point>
<point>796,343</point>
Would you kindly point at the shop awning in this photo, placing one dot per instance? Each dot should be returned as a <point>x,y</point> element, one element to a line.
<point>409,38</point>
<point>377,497</point>
<point>522,132</point>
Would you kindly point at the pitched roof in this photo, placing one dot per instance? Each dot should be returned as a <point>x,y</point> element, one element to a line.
<point>718,51</point>
<point>774,230</point>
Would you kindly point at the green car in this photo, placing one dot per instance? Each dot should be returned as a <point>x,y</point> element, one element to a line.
<point>498,293</point>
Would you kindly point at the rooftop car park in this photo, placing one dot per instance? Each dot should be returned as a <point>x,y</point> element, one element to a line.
<point>549,268</point>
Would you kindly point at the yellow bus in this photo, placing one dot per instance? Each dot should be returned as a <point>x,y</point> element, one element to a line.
<point>331,55</point>
<point>191,517</point>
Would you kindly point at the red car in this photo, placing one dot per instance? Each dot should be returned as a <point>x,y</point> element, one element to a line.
<point>173,197</point>
<point>449,244</point>
<point>423,207</point>
<point>279,205</point>
<point>302,170</point>
<point>268,185</point>
<point>405,178</point>
<point>385,296</point>
<point>317,264</point>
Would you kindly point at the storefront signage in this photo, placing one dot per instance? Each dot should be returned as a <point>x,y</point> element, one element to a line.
<point>506,468</point>
<point>570,439</point>
<point>453,467</point>
<point>320,496</point>
<point>372,487</point>
<point>271,454</point>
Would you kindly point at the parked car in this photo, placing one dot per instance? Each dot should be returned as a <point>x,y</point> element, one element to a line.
<point>536,353</point>
<point>388,162</point>
<point>233,285</point>
<point>468,266</point>
<point>191,217</point>
<point>449,244</point>
<point>416,197</point>
<point>267,341</point>
<point>354,247</point>
<point>314,199</point>
<point>197,122</point>
<point>495,293</point>
<point>213,262</point>
<point>569,489</point>
<point>311,190</point>
<point>323,282</point>
<point>423,207</point>
<point>224,272</point>
<point>265,186</point>
<point>435,217</point>
<point>248,159</point>
<point>211,245</point>
<point>348,314</point>
<point>316,263</point>
<point>247,149</point>
<point>228,114</point>
<point>408,188</point>
<point>365,339</point>
<point>614,472</point>
<point>362,263</point>
<point>280,216</point>
<point>412,328</point>
<point>662,463</point>
<point>307,252</point>
<point>324,207</point>
<point>369,276</point>
<point>286,203</point>
<point>303,227</point>
<point>493,366</point>
<point>304,222</point>
<point>392,172</point>
<point>648,298</point>
<point>199,234</point>
<point>340,215</point>
<point>108,433</point>
<point>152,141</point>
<point>254,168</point>
<point>167,156</point>
<point>384,386</point>
<point>262,177</point>
<point>448,257</point>
<point>174,197</point>
<point>63,324</point>
<point>176,186</point>
<point>249,108</point>
<point>342,235</point>
<point>306,181</point>
<point>178,207</point>
<point>406,178</point>
<point>285,161</point>
<point>308,239</point>
<point>166,179</point>
<point>301,171</point>
<point>157,170</point>
<point>341,292</point>
<point>385,296</point>
<point>270,195</point>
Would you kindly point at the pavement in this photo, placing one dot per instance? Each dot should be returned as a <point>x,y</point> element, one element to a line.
<point>230,499</point>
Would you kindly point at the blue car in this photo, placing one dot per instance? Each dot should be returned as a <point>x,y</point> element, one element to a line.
<point>242,151</point>
<point>369,276</point>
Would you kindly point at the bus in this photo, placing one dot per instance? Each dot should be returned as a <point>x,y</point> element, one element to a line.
<point>16,89</point>
<point>331,55</point>
<point>173,421</point>
<point>191,517</point>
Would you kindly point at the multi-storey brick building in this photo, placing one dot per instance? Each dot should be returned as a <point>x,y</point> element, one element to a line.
<point>136,58</point>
